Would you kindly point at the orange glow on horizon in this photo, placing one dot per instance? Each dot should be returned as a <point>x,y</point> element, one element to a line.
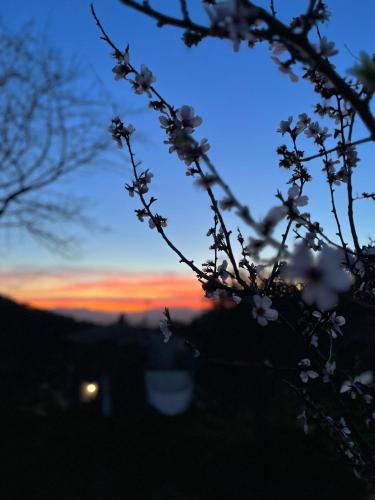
<point>114,292</point>
<point>116,305</point>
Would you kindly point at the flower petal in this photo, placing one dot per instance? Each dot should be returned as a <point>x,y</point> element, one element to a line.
<point>266,302</point>
<point>257,300</point>
<point>262,321</point>
<point>271,314</point>
<point>326,299</point>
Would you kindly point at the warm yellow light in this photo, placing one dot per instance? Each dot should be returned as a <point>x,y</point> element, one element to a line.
<point>92,388</point>
<point>89,391</point>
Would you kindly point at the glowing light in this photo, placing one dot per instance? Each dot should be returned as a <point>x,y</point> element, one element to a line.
<point>89,391</point>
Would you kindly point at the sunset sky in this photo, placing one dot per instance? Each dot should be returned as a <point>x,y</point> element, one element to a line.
<point>241,97</point>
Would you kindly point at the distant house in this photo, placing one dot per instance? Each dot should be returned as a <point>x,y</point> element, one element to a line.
<point>124,370</point>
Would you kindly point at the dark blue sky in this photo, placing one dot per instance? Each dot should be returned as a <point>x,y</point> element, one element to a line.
<point>241,97</point>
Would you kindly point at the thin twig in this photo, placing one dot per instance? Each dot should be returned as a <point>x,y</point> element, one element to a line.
<point>184,10</point>
<point>276,29</point>
<point>272,7</point>
<point>338,148</point>
<point>215,208</point>
<point>348,170</point>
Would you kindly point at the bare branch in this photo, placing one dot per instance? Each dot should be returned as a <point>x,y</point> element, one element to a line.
<point>47,132</point>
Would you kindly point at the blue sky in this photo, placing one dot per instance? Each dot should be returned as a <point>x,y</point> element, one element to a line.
<point>241,97</point>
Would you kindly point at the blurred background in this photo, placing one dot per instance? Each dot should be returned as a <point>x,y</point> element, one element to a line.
<point>94,404</point>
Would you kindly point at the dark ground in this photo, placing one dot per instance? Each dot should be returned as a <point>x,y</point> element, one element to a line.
<point>151,457</point>
<point>234,444</point>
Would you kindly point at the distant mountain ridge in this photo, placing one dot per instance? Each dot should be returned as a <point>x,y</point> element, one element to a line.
<point>16,316</point>
<point>148,318</point>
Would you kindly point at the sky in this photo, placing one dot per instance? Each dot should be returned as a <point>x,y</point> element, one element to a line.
<point>241,97</point>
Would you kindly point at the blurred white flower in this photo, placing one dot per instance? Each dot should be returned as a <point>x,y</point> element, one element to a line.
<point>326,48</point>
<point>312,129</point>
<point>165,330</point>
<point>143,80</point>
<point>355,386</point>
<point>314,341</point>
<point>122,68</point>
<point>222,270</point>
<point>157,221</point>
<point>306,373</point>
<point>234,16</point>
<point>285,125</point>
<point>302,420</point>
<point>273,217</point>
<point>187,120</point>
<point>329,370</point>
<point>303,122</point>
<point>295,199</point>
<point>262,311</point>
<point>365,71</point>
<point>119,131</point>
<point>344,427</point>
<point>285,68</point>
<point>236,299</point>
<point>277,48</point>
<point>323,277</point>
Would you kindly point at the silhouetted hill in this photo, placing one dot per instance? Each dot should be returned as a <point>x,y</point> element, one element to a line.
<point>18,319</point>
<point>27,334</point>
<point>149,318</point>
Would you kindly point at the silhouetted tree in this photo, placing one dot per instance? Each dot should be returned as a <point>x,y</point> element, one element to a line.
<point>48,130</point>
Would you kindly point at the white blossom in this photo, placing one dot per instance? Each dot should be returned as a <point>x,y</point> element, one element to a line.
<point>143,80</point>
<point>157,221</point>
<point>222,270</point>
<point>276,214</point>
<point>214,295</point>
<point>165,330</point>
<point>189,152</point>
<point>277,48</point>
<point>129,129</point>
<point>314,341</point>
<point>122,68</point>
<point>273,217</point>
<point>344,427</point>
<point>317,315</point>
<point>312,241</point>
<point>323,277</point>
<point>313,129</point>
<point>142,183</point>
<point>306,373</point>
<point>329,370</point>
<point>187,120</point>
<point>365,71</point>
<point>119,131</point>
<point>285,125</point>
<point>326,48</point>
<point>336,322</point>
<point>236,299</point>
<point>262,311</point>
<point>285,68</point>
<point>302,419</point>
<point>302,123</point>
<point>355,386</point>
<point>232,15</point>
<point>295,199</point>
